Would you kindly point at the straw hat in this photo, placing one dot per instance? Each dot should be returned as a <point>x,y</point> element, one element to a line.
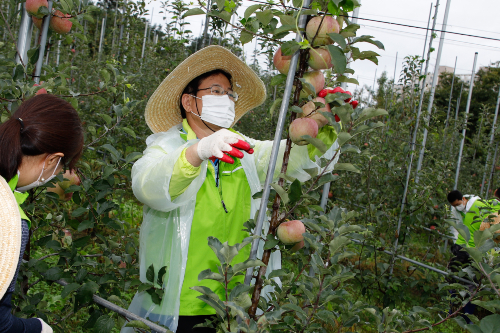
<point>163,109</point>
<point>10,236</point>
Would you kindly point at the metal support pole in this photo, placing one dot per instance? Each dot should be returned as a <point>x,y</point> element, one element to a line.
<point>414,140</point>
<point>43,42</point>
<point>433,89</point>
<point>24,37</point>
<point>101,40</point>
<point>207,20</point>
<point>492,136</point>
<point>58,52</point>
<point>276,145</point>
<point>492,170</point>
<point>451,95</point>
<point>464,130</point>
<point>144,40</point>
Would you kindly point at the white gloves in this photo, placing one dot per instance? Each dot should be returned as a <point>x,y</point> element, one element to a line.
<point>222,141</point>
<point>45,327</point>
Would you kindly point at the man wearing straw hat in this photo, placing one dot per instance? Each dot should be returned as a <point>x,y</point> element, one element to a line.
<point>197,179</point>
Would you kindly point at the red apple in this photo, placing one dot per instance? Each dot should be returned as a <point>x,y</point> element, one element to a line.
<point>37,22</point>
<point>436,207</point>
<point>290,232</point>
<point>61,187</point>
<point>60,23</point>
<point>40,91</point>
<point>33,5</point>
<point>316,79</point>
<point>433,227</point>
<point>320,58</point>
<point>281,62</point>
<point>309,111</point>
<point>349,99</point>
<point>338,90</point>
<point>73,50</point>
<point>330,194</point>
<point>300,127</point>
<point>366,144</point>
<point>297,246</point>
<point>329,25</point>
<point>354,104</point>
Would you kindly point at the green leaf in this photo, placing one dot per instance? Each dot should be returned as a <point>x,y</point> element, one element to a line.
<point>132,157</point>
<point>54,273</point>
<point>287,20</point>
<point>87,224</point>
<point>350,149</point>
<point>208,274</point>
<point>480,237</point>
<point>281,192</point>
<point>104,324</point>
<point>346,229</point>
<point>106,118</point>
<point>339,60</point>
<point>246,37</point>
<point>247,264</point>
<point>250,10</point>
<point>338,243</point>
<point>346,167</point>
<point>137,324</point>
<point>112,150</point>
<point>276,103</point>
<point>296,109</point>
<point>369,113</point>
<point>368,39</point>
<point>490,324</point>
<point>474,253</point>
<point>33,54</point>
<point>18,73</point>
<point>193,11</point>
<point>128,131</point>
<point>289,48</point>
<point>68,289</point>
<point>271,242</point>
<point>343,137</point>
<point>339,39</point>
<point>295,191</point>
<point>333,7</point>
<point>350,30</point>
<point>328,178</point>
<point>369,127</point>
<point>79,211</point>
<point>278,79</point>
<point>150,274</point>
<point>344,112</point>
<point>264,16</point>
<point>161,274</point>
<point>343,78</point>
<point>320,145</point>
<point>105,75</point>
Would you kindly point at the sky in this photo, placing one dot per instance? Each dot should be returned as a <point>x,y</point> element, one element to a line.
<point>479,17</point>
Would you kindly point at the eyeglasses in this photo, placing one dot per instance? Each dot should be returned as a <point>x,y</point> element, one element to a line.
<point>219,91</point>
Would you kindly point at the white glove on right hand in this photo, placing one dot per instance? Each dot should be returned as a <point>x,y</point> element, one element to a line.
<point>214,145</point>
<point>45,327</point>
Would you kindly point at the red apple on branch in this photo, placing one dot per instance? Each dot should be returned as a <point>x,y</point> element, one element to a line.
<point>72,179</point>
<point>60,23</point>
<point>320,58</point>
<point>300,127</point>
<point>282,62</point>
<point>316,79</point>
<point>290,232</point>
<point>40,91</point>
<point>309,111</point>
<point>32,6</point>
<point>328,25</point>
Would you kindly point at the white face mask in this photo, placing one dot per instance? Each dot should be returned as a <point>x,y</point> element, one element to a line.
<point>40,181</point>
<point>217,110</point>
<point>460,207</point>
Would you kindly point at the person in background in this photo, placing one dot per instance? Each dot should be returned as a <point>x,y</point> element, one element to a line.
<point>464,209</point>
<point>41,138</point>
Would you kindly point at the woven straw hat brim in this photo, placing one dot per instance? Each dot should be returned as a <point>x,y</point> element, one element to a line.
<point>10,236</point>
<point>163,109</point>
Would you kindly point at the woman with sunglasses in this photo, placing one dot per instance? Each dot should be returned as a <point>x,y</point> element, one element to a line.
<point>36,142</point>
<point>197,179</point>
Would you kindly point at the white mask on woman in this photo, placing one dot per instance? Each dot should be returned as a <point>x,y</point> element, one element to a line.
<point>40,181</point>
<point>217,110</point>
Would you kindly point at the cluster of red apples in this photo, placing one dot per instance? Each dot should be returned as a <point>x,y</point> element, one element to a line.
<point>311,119</point>
<point>59,22</point>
